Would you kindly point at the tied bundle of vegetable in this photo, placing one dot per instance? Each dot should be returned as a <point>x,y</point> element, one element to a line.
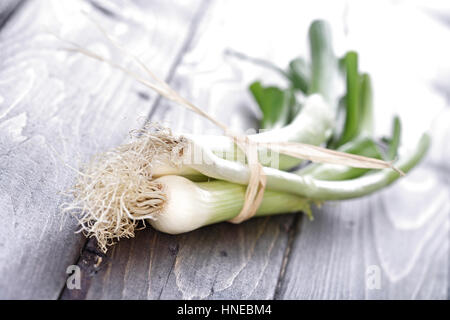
<point>182,182</point>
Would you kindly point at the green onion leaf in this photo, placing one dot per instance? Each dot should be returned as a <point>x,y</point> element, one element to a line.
<point>366,117</point>
<point>352,120</point>
<point>299,74</point>
<point>275,104</point>
<point>323,61</point>
<point>394,141</point>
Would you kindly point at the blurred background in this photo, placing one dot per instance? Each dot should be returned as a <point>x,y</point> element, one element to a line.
<point>57,107</point>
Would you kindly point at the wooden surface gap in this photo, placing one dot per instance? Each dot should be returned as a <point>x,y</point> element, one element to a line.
<point>203,8</point>
<point>12,7</point>
<point>294,228</point>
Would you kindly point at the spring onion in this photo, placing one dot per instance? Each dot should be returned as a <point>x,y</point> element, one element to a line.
<point>188,205</point>
<point>180,182</point>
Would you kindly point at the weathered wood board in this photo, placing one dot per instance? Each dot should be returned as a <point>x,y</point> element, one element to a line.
<point>58,108</point>
<point>396,244</point>
<point>399,236</point>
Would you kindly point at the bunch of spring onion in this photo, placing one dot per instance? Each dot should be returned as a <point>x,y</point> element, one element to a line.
<point>181,182</point>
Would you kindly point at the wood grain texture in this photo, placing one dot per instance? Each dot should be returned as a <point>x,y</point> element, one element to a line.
<point>219,261</point>
<point>402,232</point>
<point>58,108</point>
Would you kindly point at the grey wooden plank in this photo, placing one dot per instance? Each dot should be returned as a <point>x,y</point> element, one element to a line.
<point>59,108</point>
<point>333,256</point>
<point>402,233</point>
<point>219,261</point>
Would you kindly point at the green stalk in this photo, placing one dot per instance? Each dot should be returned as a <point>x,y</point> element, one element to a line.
<point>275,104</point>
<point>339,190</point>
<point>309,187</point>
<point>394,141</point>
<point>362,146</point>
<point>366,96</point>
<point>313,125</point>
<point>323,61</point>
<point>299,74</point>
<point>352,120</point>
<point>189,206</point>
<point>225,201</point>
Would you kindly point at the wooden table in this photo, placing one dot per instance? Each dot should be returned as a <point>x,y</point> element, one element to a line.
<point>58,108</point>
